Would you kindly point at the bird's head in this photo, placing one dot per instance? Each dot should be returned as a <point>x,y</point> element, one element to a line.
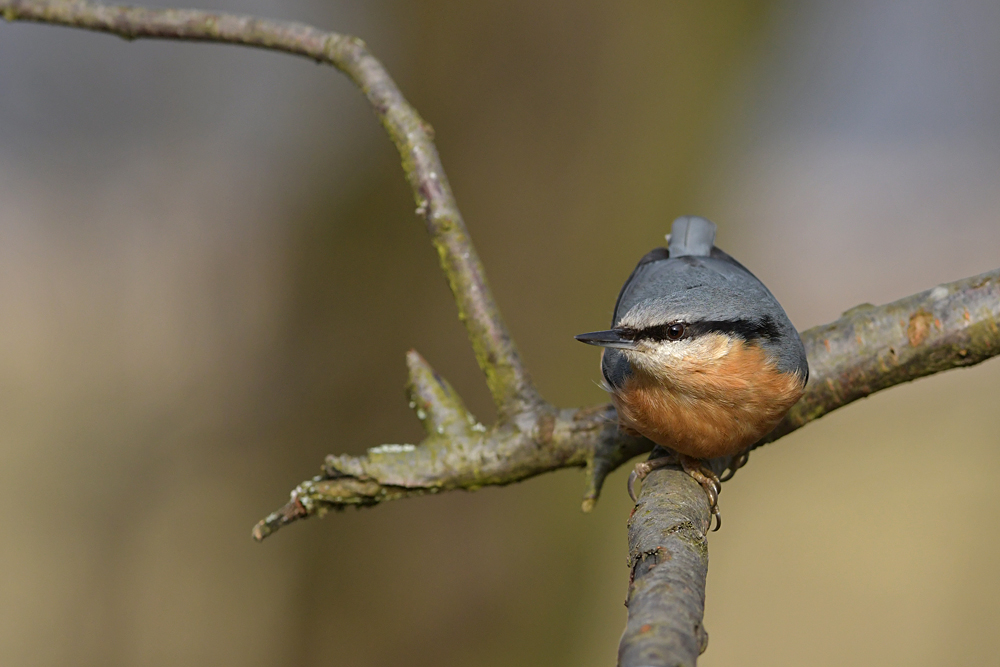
<point>669,337</point>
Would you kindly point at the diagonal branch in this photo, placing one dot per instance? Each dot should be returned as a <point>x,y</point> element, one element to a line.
<point>460,453</point>
<point>873,348</point>
<point>506,376</point>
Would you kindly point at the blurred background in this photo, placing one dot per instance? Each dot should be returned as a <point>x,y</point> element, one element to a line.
<point>193,236</point>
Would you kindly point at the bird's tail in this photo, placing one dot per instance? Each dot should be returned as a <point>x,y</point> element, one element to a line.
<point>691,235</point>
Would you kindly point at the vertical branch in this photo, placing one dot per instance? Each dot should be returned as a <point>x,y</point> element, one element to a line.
<point>668,556</point>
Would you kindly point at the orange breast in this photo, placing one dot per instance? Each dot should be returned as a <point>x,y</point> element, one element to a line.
<point>709,410</point>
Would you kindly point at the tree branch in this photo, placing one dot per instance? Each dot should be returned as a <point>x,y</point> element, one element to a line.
<point>506,376</point>
<point>873,348</point>
<point>668,561</point>
<point>868,349</point>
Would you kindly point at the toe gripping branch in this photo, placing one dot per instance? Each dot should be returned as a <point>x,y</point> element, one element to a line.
<point>706,473</point>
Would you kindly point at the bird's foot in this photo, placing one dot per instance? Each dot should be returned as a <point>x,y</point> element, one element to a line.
<point>643,468</point>
<point>697,468</point>
<point>709,481</point>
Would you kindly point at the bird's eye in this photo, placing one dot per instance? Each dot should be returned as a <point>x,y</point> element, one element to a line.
<point>675,331</point>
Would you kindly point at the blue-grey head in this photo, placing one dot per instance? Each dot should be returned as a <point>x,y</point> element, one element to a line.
<point>692,310</point>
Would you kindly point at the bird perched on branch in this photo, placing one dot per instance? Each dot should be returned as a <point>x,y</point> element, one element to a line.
<point>701,358</point>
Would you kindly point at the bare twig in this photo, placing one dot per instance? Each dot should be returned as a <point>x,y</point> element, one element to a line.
<point>508,381</point>
<point>461,453</point>
<point>868,349</point>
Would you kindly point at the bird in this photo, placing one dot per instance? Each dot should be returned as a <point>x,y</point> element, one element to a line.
<point>701,359</point>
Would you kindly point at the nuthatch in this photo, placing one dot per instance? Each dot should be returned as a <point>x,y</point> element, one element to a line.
<point>701,358</point>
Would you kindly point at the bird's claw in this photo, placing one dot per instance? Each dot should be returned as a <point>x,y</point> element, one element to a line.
<point>709,481</point>
<point>735,464</point>
<point>696,468</point>
<point>643,468</point>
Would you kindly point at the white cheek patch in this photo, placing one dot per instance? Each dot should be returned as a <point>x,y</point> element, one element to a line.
<point>712,347</point>
<point>670,359</point>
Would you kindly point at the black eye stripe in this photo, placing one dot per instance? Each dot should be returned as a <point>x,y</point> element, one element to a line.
<point>666,331</point>
<point>746,329</point>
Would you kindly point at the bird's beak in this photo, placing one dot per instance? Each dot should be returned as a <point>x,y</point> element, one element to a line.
<point>610,338</point>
